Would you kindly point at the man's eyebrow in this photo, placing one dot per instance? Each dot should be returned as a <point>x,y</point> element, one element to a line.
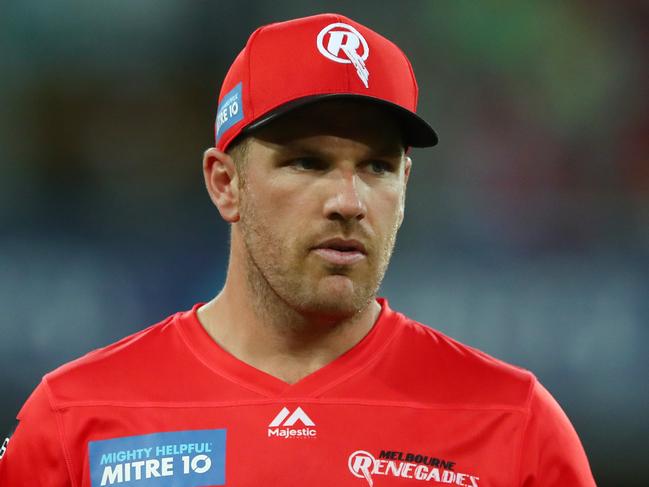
<point>297,146</point>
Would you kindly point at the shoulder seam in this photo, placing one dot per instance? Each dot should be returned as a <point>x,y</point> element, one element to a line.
<point>297,399</point>
<point>528,416</point>
<point>60,429</point>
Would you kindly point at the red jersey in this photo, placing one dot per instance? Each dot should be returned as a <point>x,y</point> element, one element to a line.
<point>406,406</point>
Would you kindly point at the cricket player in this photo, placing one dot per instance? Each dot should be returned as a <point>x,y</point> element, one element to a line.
<point>296,374</point>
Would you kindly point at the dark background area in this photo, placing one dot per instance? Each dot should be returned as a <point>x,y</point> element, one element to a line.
<point>526,230</point>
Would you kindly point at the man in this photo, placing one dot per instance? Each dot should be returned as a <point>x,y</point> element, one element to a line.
<point>296,374</point>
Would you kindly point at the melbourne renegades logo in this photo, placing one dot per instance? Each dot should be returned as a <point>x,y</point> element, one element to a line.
<point>341,43</point>
<point>434,471</point>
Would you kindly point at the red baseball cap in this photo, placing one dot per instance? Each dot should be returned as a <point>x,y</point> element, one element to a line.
<point>289,64</point>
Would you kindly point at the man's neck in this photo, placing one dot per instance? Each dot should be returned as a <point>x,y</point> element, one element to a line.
<point>266,333</point>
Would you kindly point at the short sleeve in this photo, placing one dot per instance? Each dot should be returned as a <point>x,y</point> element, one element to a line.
<point>34,454</point>
<point>552,455</point>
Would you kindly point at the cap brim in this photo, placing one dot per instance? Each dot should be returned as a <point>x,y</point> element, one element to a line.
<point>416,131</point>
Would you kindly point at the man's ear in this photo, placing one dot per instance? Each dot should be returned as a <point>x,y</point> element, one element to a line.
<point>407,168</point>
<point>406,176</point>
<point>221,181</point>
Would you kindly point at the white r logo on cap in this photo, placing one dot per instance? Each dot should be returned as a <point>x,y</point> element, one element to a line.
<point>343,37</point>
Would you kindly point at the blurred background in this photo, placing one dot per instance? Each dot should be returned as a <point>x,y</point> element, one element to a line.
<point>526,231</point>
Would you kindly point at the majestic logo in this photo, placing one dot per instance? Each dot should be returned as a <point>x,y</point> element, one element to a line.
<point>181,458</point>
<point>364,465</point>
<point>284,425</point>
<point>341,43</point>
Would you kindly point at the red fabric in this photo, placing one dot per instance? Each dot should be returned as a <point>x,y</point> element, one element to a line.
<point>416,404</point>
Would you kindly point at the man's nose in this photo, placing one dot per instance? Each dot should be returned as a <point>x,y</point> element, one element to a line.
<point>345,201</point>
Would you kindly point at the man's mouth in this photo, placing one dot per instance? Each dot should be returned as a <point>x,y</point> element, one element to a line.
<point>339,251</point>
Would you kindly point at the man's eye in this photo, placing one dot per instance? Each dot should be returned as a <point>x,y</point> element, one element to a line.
<point>380,167</point>
<point>307,163</point>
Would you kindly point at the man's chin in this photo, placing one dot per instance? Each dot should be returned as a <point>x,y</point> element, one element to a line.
<point>337,298</point>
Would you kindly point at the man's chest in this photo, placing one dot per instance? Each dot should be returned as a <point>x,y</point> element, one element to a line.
<point>292,443</point>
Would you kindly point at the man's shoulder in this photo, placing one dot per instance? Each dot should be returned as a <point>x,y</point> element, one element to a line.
<point>457,373</point>
<point>461,355</point>
<point>107,372</point>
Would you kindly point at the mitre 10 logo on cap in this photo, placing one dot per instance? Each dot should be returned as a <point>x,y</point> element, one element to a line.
<point>230,111</point>
<point>343,44</point>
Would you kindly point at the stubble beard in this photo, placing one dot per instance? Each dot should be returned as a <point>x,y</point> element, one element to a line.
<point>278,290</point>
